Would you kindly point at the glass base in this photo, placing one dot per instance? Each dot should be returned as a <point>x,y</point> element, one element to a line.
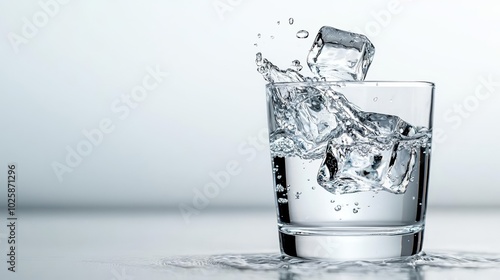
<point>351,244</point>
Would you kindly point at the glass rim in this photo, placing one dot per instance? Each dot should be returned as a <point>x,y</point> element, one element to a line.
<point>414,84</point>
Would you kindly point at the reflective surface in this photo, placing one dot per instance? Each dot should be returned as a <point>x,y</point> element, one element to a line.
<point>230,244</point>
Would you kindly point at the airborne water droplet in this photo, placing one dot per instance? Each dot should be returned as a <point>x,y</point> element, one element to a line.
<point>354,210</point>
<point>279,176</point>
<point>290,21</point>
<point>297,195</point>
<point>302,34</point>
<point>296,65</point>
<point>338,208</point>
<point>375,99</point>
<point>278,22</point>
<point>259,35</point>
<point>355,203</point>
<point>272,37</point>
<point>313,187</point>
<point>332,201</point>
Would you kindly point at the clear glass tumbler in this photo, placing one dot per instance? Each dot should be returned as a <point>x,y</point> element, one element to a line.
<point>351,167</point>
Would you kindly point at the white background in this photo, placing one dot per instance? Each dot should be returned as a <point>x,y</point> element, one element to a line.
<point>210,110</point>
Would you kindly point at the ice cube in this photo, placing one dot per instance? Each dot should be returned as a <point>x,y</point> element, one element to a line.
<point>353,166</point>
<point>340,55</point>
<point>379,160</point>
<point>314,120</point>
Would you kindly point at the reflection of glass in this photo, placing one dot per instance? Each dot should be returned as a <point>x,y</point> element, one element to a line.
<point>350,165</point>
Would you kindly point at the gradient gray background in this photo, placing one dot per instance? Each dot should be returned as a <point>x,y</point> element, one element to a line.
<point>210,109</point>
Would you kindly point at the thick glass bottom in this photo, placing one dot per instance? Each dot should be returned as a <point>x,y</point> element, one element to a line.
<point>351,243</point>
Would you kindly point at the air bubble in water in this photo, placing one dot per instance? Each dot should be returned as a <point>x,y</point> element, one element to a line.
<point>290,21</point>
<point>282,200</point>
<point>302,34</point>
<point>338,208</point>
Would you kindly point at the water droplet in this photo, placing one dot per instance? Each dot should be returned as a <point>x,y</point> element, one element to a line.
<point>338,208</point>
<point>258,56</point>
<point>296,65</point>
<point>354,210</point>
<point>332,201</point>
<point>272,37</point>
<point>255,44</point>
<point>259,35</point>
<point>308,180</point>
<point>355,203</point>
<point>313,187</point>
<point>413,198</point>
<point>412,179</point>
<point>420,204</point>
<point>302,34</point>
<point>375,99</point>
<point>390,100</point>
<point>279,176</point>
<point>280,188</point>
<point>297,195</point>
<point>275,170</point>
<point>278,22</point>
<point>282,200</point>
<point>290,21</point>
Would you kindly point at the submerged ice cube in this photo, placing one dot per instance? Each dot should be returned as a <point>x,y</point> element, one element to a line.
<point>380,161</point>
<point>340,55</point>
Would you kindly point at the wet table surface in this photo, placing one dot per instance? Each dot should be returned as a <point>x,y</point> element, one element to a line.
<point>133,245</point>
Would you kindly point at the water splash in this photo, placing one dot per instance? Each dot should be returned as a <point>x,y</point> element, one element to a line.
<point>277,262</point>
